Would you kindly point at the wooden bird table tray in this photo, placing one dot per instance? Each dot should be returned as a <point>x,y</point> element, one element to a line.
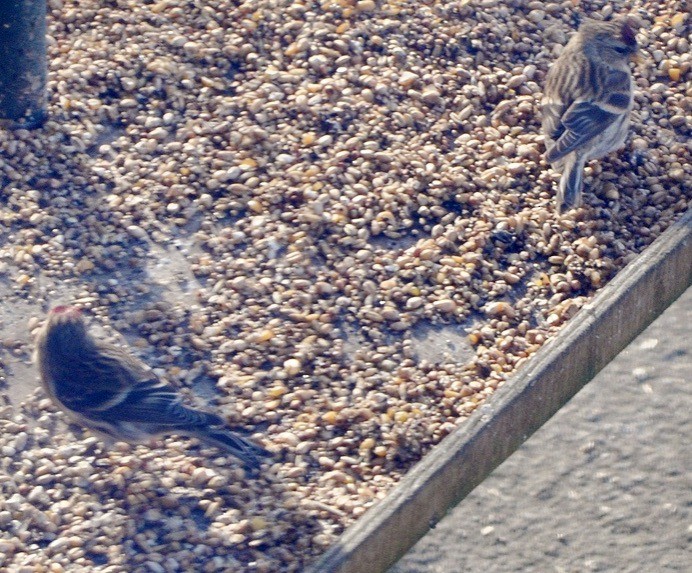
<point>604,327</point>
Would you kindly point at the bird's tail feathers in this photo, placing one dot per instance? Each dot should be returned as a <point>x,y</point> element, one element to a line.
<point>569,191</point>
<point>246,451</point>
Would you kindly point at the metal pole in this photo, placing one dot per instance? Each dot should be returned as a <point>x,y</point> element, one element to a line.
<point>23,63</point>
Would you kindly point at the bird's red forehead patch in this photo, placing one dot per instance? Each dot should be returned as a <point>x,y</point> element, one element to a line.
<point>63,308</point>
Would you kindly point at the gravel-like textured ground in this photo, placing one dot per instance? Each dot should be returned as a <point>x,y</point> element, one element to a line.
<point>604,486</point>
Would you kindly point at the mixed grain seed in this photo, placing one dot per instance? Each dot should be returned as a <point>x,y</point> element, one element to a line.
<point>330,219</point>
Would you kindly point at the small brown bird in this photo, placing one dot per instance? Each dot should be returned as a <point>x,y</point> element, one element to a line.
<point>117,396</point>
<point>587,101</point>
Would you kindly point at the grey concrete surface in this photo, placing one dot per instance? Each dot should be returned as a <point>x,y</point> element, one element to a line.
<point>605,485</point>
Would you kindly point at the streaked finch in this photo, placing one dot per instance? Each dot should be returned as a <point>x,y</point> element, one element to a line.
<point>587,101</point>
<point>116,396</point>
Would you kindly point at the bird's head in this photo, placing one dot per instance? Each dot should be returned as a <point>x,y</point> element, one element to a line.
<point>66,324</point>
<point>613,41</point>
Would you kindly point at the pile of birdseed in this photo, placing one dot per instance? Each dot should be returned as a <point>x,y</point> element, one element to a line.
<point>329,221</point>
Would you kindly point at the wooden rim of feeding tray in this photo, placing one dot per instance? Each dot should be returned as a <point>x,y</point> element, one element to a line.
<point>597,333</point>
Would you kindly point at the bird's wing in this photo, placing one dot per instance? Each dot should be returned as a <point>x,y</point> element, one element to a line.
<point>157,403</point>
<point>96,378</point>
<point>583,121</point>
